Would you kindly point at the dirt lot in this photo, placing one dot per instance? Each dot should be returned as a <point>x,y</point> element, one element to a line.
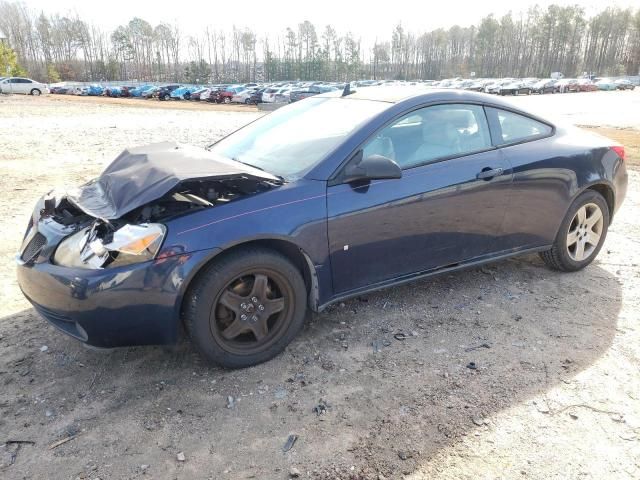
<point>556,391</point>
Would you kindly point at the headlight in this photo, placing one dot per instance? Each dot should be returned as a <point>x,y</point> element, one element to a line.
<point>136,243</point>
<point>92,248</point>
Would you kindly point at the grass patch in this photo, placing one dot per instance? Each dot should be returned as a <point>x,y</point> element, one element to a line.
<point>628,137</point>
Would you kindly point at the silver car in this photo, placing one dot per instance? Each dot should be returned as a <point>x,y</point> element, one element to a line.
<point>23,85</point>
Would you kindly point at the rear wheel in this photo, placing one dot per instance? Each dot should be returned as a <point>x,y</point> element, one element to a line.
<point>227,99</point>
<point>246,307</point>
<point>581,234</point>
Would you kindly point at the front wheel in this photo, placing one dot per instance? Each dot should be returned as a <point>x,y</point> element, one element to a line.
<point>246,307</point>
<point>35,92</point>
<point>581,234</point>
<point>227,99</point>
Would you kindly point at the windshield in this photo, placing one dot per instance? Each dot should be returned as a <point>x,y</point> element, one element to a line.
<point>293,139</point>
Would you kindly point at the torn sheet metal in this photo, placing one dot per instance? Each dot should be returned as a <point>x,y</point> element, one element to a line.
<point>143,174</point>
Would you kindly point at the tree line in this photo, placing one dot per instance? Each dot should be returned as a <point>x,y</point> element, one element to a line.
<point>533,43</point>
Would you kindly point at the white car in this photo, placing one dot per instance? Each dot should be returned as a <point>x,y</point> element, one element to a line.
<point>269,95</point>
<point>283,95</point>
<point>23,85</point>
<point>206,94</point>
<point>242,96</point>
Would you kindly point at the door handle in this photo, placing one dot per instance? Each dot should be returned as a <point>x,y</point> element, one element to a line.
<point>488,173</point>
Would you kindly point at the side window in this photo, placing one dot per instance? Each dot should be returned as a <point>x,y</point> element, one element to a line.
<point>517,128</point>
<point>432,133</point>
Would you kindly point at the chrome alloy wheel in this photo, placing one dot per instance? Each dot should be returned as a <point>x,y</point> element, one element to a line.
<point>585,232</point>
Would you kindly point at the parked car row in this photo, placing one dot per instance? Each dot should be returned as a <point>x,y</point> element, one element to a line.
<point>288,92</point>
<point>528,86</point>
<point>250,93</point>
<point>515,86</point>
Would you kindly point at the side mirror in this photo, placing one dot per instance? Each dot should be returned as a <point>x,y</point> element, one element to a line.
<point>374,167</point>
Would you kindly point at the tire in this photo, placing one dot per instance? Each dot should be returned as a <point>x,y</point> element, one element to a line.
<point>227,100</point>
<point>35,92</point>
<point>566,256</point>
<point>247,101</point>
<point>233,280</point>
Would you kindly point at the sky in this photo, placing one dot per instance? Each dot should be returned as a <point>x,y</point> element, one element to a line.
<point>368,20</point>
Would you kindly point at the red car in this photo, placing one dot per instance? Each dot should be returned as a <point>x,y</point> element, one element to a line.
<point>567,85</point>
<point>586,85</point>
<point>215,95</point>
<point>225,95</point>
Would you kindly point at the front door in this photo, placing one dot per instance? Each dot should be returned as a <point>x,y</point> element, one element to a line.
<point>448,206</point>
<point>8,86</point>
<point>17,85</point>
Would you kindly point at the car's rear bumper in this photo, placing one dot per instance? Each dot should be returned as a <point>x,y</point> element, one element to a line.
<point>125,306</point>
<point>620,182</point>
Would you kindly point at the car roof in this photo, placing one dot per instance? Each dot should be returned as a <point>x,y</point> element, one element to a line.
<point>382,94</point>
<point>399,94</point>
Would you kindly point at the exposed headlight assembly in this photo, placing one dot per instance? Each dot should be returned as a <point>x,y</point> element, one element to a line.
<point>89,248</point>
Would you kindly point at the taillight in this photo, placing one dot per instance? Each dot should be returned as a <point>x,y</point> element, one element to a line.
<point>619,149</point>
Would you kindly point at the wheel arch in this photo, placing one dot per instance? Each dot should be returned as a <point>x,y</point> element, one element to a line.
<point>296,255</point>
<point>606,191</point>
<point>599,186</point>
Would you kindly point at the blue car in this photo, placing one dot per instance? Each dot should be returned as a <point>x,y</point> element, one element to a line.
<point>95,90</point>
<point>182,93</point>
<point>138,91</point>
<point>319,201</point>
<point>112,92</point>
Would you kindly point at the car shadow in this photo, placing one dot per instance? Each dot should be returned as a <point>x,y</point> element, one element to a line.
<point>379,383</point>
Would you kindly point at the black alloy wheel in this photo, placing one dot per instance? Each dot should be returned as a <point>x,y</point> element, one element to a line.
<point>246,307</point>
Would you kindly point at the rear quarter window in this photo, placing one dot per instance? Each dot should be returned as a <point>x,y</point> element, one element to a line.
<point>514,128</point>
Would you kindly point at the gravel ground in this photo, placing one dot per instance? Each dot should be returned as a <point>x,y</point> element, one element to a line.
<point>555,392</point>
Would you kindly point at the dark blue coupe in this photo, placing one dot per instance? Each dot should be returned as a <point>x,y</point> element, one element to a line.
<point>321,200</point>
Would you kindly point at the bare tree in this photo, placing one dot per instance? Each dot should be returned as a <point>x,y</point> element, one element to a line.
<point>532,43</point>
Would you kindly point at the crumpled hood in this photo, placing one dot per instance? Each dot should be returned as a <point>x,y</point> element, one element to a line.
<point>143,174</point>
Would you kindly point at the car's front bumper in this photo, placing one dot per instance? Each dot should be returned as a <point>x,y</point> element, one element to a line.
<point>124,306</point>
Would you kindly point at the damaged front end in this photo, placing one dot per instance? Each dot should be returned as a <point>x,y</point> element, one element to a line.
<point>120,217</point>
